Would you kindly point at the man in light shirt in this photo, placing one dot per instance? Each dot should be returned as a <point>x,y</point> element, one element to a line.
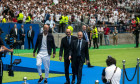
<point>101,32</point>
<point>111,73</point>
<point>51,24</point>
<point>44,45</point>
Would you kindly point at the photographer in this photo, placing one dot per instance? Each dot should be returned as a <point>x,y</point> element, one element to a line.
<point>2,49</point>
<point>111,74</point>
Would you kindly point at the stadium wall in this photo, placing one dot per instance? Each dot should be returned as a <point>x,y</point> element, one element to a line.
<point>6,27</point>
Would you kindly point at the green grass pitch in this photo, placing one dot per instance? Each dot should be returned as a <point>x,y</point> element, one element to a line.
<point>97,58</point>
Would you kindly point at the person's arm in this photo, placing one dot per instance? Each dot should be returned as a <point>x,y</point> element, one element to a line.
<point>6,49</point>
<point>54,47</point>
<point>33,33</point>
<point>36,46</point>
<point>71,50</point>
<point>87,53</point>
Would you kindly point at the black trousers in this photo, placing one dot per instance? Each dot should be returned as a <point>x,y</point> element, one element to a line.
<point>30,40</point>
<point>95,43</point>
<point>22,42</point>
<point>78,69</point>
<point>19,21</point>
<point>137,41</point>
<point>100,38</point>
<point>89,43</point>
<point>50,30</point>
<point>61,28</point>
<point>66,65</point>
<point>1,71</point>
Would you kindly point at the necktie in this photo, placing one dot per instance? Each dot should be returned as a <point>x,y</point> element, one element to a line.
<point>85,35</point>
<point>68,39</point>
<point>29,33</point>
<point>79,50</point>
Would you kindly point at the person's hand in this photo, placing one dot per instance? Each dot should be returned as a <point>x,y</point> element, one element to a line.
<point>88,42</point>
<point>87,62</point>
<point>33,54</point>
<point>60,58</point>
<point>11,50</point>
<point>1,50</point>
<point>53,55</point>
<point>69,57</point>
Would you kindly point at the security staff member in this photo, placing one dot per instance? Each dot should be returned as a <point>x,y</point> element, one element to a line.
<point>4,19</point>
<point>95,37</point>
<point>62,24</point>
<point>20,17</point>
<point>70,27</point>
<point>28,19</point>
<point>2,49</point>
<point>66,20</point>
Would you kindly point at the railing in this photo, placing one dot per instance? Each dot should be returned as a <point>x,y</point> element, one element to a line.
<point>125,73</point>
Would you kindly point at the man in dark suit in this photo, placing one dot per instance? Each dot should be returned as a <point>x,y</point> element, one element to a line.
<point>22,36</point>
<point>14,32</point>
<point>85,37</point>
<point>65,45</point>
<point>136,33</point>
<point>44,45</point>
<point>30,36</point>
<point>78,53</point>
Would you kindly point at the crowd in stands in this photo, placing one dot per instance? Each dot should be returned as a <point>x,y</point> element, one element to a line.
<point>90,12</point>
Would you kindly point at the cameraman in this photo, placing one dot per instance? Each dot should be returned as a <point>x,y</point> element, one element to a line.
<point>111,74</point>
<point>2,49</point>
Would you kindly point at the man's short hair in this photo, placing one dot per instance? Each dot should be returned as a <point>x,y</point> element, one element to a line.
<point>110,61</point>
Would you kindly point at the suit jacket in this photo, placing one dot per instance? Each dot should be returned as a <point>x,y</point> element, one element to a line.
<point>84,51</point>
<point>13,33</point>
<point>84,35</point>
<point>50,43</point>
<point>20,33</point>
<point>32,34</point>
<point>66,46</point>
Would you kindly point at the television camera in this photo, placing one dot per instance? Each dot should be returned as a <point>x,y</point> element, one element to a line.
<point>12,42</point>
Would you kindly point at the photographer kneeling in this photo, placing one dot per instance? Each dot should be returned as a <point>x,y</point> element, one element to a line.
<point>111,74</point>
<point>2,50</point>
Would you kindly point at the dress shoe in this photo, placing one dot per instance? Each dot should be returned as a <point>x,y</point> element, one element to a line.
<point>67,82</point>
<point>73,81</point>
<point>89,65</point>
<point>136,47</point>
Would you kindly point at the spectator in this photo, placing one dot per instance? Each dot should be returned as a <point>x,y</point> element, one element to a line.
<point>51,24</point>
<point>115,36</point>
<point>100,33</point>
<point>106,35</point>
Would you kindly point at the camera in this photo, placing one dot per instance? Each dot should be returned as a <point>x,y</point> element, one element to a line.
<point>11,41</point>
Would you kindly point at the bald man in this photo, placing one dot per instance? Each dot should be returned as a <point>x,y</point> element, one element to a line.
<point>44,45</point>
<point>78,53</point>
<point>22,36</point>
<point>65,45</point>
<point>85,37</point>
